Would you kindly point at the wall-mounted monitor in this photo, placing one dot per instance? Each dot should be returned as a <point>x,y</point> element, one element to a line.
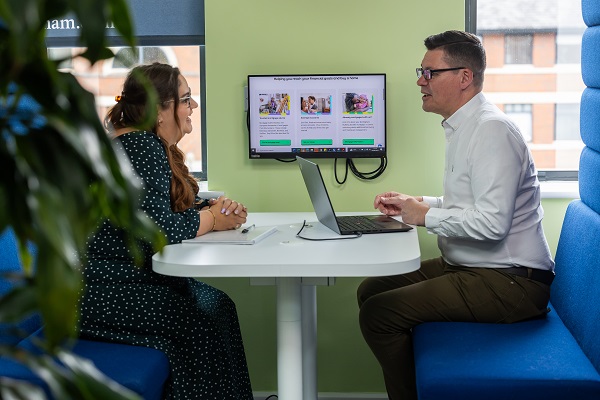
<point>326,116</point>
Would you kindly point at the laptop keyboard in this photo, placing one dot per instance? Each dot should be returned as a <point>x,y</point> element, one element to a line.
<point>358,223</point>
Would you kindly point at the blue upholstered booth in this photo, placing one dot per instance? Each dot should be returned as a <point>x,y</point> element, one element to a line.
<point>557,357</point>
<point>143,370</point>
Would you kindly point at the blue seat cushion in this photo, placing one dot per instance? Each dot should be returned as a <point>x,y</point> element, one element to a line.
<point>536,359</point>
<point>140,369</point>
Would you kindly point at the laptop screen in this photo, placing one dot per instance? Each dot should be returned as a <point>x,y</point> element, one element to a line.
<point>318,193</point>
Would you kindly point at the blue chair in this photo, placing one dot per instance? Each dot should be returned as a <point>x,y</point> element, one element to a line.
<point>142,370</point>
<point>12,333</point>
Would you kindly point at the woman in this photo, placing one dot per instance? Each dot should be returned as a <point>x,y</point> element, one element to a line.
<point>194,324</point>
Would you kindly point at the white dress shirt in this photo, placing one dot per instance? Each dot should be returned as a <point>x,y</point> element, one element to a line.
<point>490,214</point>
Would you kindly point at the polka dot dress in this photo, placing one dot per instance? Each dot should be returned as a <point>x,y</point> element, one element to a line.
<point>194,324</point>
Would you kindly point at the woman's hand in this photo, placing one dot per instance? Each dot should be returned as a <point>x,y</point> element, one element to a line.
<point>229,206</point>
<point>222,214</point>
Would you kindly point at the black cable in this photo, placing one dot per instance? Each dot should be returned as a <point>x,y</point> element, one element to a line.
<point>304,225</point>
<point>335,172</point>
<point>371,174</point>
<point>361,175</point>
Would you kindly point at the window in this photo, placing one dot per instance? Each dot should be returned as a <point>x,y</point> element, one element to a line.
<point>64,54</point>
<point>568,49</point>
<point>517,49</point>
<point>126,57</point>
<point>105,81</point>
<point>176,38</point>
<point>534,74</point>
<point>567,122</point>
<point>521,115</point>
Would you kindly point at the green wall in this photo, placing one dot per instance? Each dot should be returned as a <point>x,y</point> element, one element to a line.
<point>336,36</point>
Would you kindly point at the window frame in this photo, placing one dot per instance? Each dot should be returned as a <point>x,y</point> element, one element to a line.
<point>543,175</point>
<point>160,41</point>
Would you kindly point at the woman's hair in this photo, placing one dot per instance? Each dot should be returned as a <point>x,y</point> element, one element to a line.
<point>461,49</point>
<point>132,110</point>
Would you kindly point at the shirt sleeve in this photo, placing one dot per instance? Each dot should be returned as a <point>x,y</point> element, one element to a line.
<point>495,157</point>
<point>433,202</point>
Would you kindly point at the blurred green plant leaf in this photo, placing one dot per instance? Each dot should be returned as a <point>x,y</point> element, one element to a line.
<point>11,389</point>
<point>19,302</point>
<point>59,177</point>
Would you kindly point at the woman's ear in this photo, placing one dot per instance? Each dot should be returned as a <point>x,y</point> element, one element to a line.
<point>160,115</point>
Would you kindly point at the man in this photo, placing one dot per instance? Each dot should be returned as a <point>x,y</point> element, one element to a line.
<point>312,105</point>
<point>495,264</point>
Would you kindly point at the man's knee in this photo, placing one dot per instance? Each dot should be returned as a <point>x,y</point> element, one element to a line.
<point>369,288</point>
<point>362,293</point>
<point>374,315</point>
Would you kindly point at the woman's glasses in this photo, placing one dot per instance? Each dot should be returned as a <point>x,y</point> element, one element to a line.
<point>187,100</point>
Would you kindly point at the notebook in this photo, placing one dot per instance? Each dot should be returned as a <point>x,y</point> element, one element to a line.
<point>342,225</point>
<point>235,236</point>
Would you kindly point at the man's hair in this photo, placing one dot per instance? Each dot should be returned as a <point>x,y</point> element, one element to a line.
<point>461,49</point>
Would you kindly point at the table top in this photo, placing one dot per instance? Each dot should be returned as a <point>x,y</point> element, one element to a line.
<point>282,254</point>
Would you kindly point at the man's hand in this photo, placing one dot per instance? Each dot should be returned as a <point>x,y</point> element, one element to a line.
<point>387,203</point>
<point>410,208</point>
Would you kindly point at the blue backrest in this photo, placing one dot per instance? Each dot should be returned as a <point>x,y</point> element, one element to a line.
<point>9,259</point>
<point>10,263</point>
<point>576,289</point>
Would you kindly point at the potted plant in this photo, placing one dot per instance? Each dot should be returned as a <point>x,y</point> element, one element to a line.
<point>59,176</point>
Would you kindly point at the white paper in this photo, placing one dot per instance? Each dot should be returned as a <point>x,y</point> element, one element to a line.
<point>236,236</point>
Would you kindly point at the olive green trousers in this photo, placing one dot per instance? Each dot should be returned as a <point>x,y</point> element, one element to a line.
<point>391,306</point>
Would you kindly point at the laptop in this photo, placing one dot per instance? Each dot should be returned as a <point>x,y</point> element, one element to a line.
<point>342,225</point>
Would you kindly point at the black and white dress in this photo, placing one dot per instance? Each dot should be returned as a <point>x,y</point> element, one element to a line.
<point>194,324</point>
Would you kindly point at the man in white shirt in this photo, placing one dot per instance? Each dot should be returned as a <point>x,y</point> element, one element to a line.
<point>495,264</point>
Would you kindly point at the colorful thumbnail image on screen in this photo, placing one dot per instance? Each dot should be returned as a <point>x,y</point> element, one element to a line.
<point>315,104</point>
<point>358,103</point>
<point>274,104</point>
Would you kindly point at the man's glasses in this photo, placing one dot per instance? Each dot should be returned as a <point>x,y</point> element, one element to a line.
<point>428,73</point>
<point>187,100</point>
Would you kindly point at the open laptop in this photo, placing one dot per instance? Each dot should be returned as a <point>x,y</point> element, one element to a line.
<point>343,225</point>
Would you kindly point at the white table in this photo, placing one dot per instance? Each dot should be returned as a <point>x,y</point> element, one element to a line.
<point>296,265</point>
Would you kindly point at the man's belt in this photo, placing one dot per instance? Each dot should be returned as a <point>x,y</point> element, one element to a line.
<point>540,275</point>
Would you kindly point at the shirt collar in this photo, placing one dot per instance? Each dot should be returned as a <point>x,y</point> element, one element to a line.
<point>453,123</point>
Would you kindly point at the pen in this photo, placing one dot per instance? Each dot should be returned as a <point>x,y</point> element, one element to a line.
<point>246,230</point>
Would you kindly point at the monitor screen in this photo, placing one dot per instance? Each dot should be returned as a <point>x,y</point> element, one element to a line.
<point>335,116</point>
